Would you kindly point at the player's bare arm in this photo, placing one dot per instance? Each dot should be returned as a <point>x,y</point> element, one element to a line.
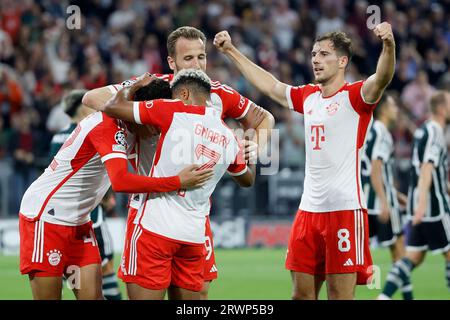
<point>402,199</point>
<point>262,121</point>
<point>97,98</point>
<point>246,179</point>
<point>376,178</point>
<point>119,106</point>
<point>424,185</point>
<point>374,86</point>
<point>257,76</point>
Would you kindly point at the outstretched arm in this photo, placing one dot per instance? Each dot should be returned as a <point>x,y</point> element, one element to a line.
<point>97,98</point>
<point>374,86</point>
<point>257,76</point>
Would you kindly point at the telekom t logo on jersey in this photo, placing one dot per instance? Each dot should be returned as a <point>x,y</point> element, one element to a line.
<point>318,134</point>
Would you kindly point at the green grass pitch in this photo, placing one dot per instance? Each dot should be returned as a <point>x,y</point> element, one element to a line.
<point>257,274</point>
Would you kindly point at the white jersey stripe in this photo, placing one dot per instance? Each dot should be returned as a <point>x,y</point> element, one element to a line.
<point>114,155</point>
<point>356,234</point>
<point>42,241</point>
<point>133,236</point>
<point>446,225</point>
<point>35,247</point>
<point>361,214</point>
<point>288,97</point>
<point>135,252</point>
<point>137,116</point>
<point>247,107</point>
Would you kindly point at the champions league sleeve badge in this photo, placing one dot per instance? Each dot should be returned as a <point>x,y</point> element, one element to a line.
<point>121,142</point>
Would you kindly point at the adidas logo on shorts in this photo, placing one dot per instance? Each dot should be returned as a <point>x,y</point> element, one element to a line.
<point>348,263</point>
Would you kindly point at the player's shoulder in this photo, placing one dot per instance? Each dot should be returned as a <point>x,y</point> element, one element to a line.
<point>379,127</point>
<point>218,87</point>
<point>93,120</point>
<point>101,121</point>
<point>423,132</point>
<point>166,76</point>
<point>354,85</point>
<point>306,90</point>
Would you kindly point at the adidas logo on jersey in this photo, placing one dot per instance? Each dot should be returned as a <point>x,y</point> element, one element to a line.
<point>348,263</point>
<point>213,268</point>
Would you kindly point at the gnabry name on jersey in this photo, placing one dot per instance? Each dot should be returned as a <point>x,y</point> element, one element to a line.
<point>211,135</point>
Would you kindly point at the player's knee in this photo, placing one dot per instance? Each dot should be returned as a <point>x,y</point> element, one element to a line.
<point>337,294</point>
<point>415,257</point>
<point>203,295</point>
<point>303,295</point>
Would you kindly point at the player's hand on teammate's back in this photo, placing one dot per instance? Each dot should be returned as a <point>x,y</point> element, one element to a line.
<point>190,177</point>
<point>250,151</point>
<point>384,32</point>
<point>222,41</point>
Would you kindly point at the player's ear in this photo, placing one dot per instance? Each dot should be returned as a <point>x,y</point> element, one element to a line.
<point>171,63</point>
<point>184,94</point>
<point>343,62</point>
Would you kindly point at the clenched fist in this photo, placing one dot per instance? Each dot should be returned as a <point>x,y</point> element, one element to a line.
<point>222,41</point>
<point>384,32</point>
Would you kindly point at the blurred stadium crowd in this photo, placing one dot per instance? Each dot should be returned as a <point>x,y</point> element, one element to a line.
<point>41,60</point>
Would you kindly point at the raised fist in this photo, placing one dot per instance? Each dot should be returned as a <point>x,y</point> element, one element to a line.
<point>384,32</point>
<point>222,41</point>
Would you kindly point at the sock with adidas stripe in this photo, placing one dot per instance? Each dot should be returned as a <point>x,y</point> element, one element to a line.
<point>399,277</point>
<point>110,287</point>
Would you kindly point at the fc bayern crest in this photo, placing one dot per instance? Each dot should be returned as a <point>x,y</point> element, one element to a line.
<point>120,138</point>
<point>54,257</point>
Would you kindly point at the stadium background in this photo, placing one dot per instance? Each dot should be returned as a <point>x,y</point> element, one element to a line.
<point>41,59</point>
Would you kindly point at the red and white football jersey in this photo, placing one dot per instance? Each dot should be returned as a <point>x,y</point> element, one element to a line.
<point>76,180</point>
<point>225,99</point>
<point>335,131</point>
<point>189,135</point>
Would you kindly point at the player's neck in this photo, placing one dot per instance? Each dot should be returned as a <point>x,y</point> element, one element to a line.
<point>440,120</point>
<point>384,120</point>
<point>331,87</point>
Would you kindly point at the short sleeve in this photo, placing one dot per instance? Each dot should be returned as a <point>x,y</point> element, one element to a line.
<point>234,104</point>
<point>294,97</point>
<point>357,99</point>
<point>109,141</point>
<point>432,149</point>
<point>116,87</point>
<point>239,166</point>
<point>158,113</point>
<point>381,148</point>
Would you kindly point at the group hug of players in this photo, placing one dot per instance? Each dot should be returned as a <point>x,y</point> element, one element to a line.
<point>170,129</point>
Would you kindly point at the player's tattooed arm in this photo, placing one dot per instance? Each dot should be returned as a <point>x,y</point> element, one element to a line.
<point>374,86</point>
<point>257,76</point>
<point>262,121</point>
